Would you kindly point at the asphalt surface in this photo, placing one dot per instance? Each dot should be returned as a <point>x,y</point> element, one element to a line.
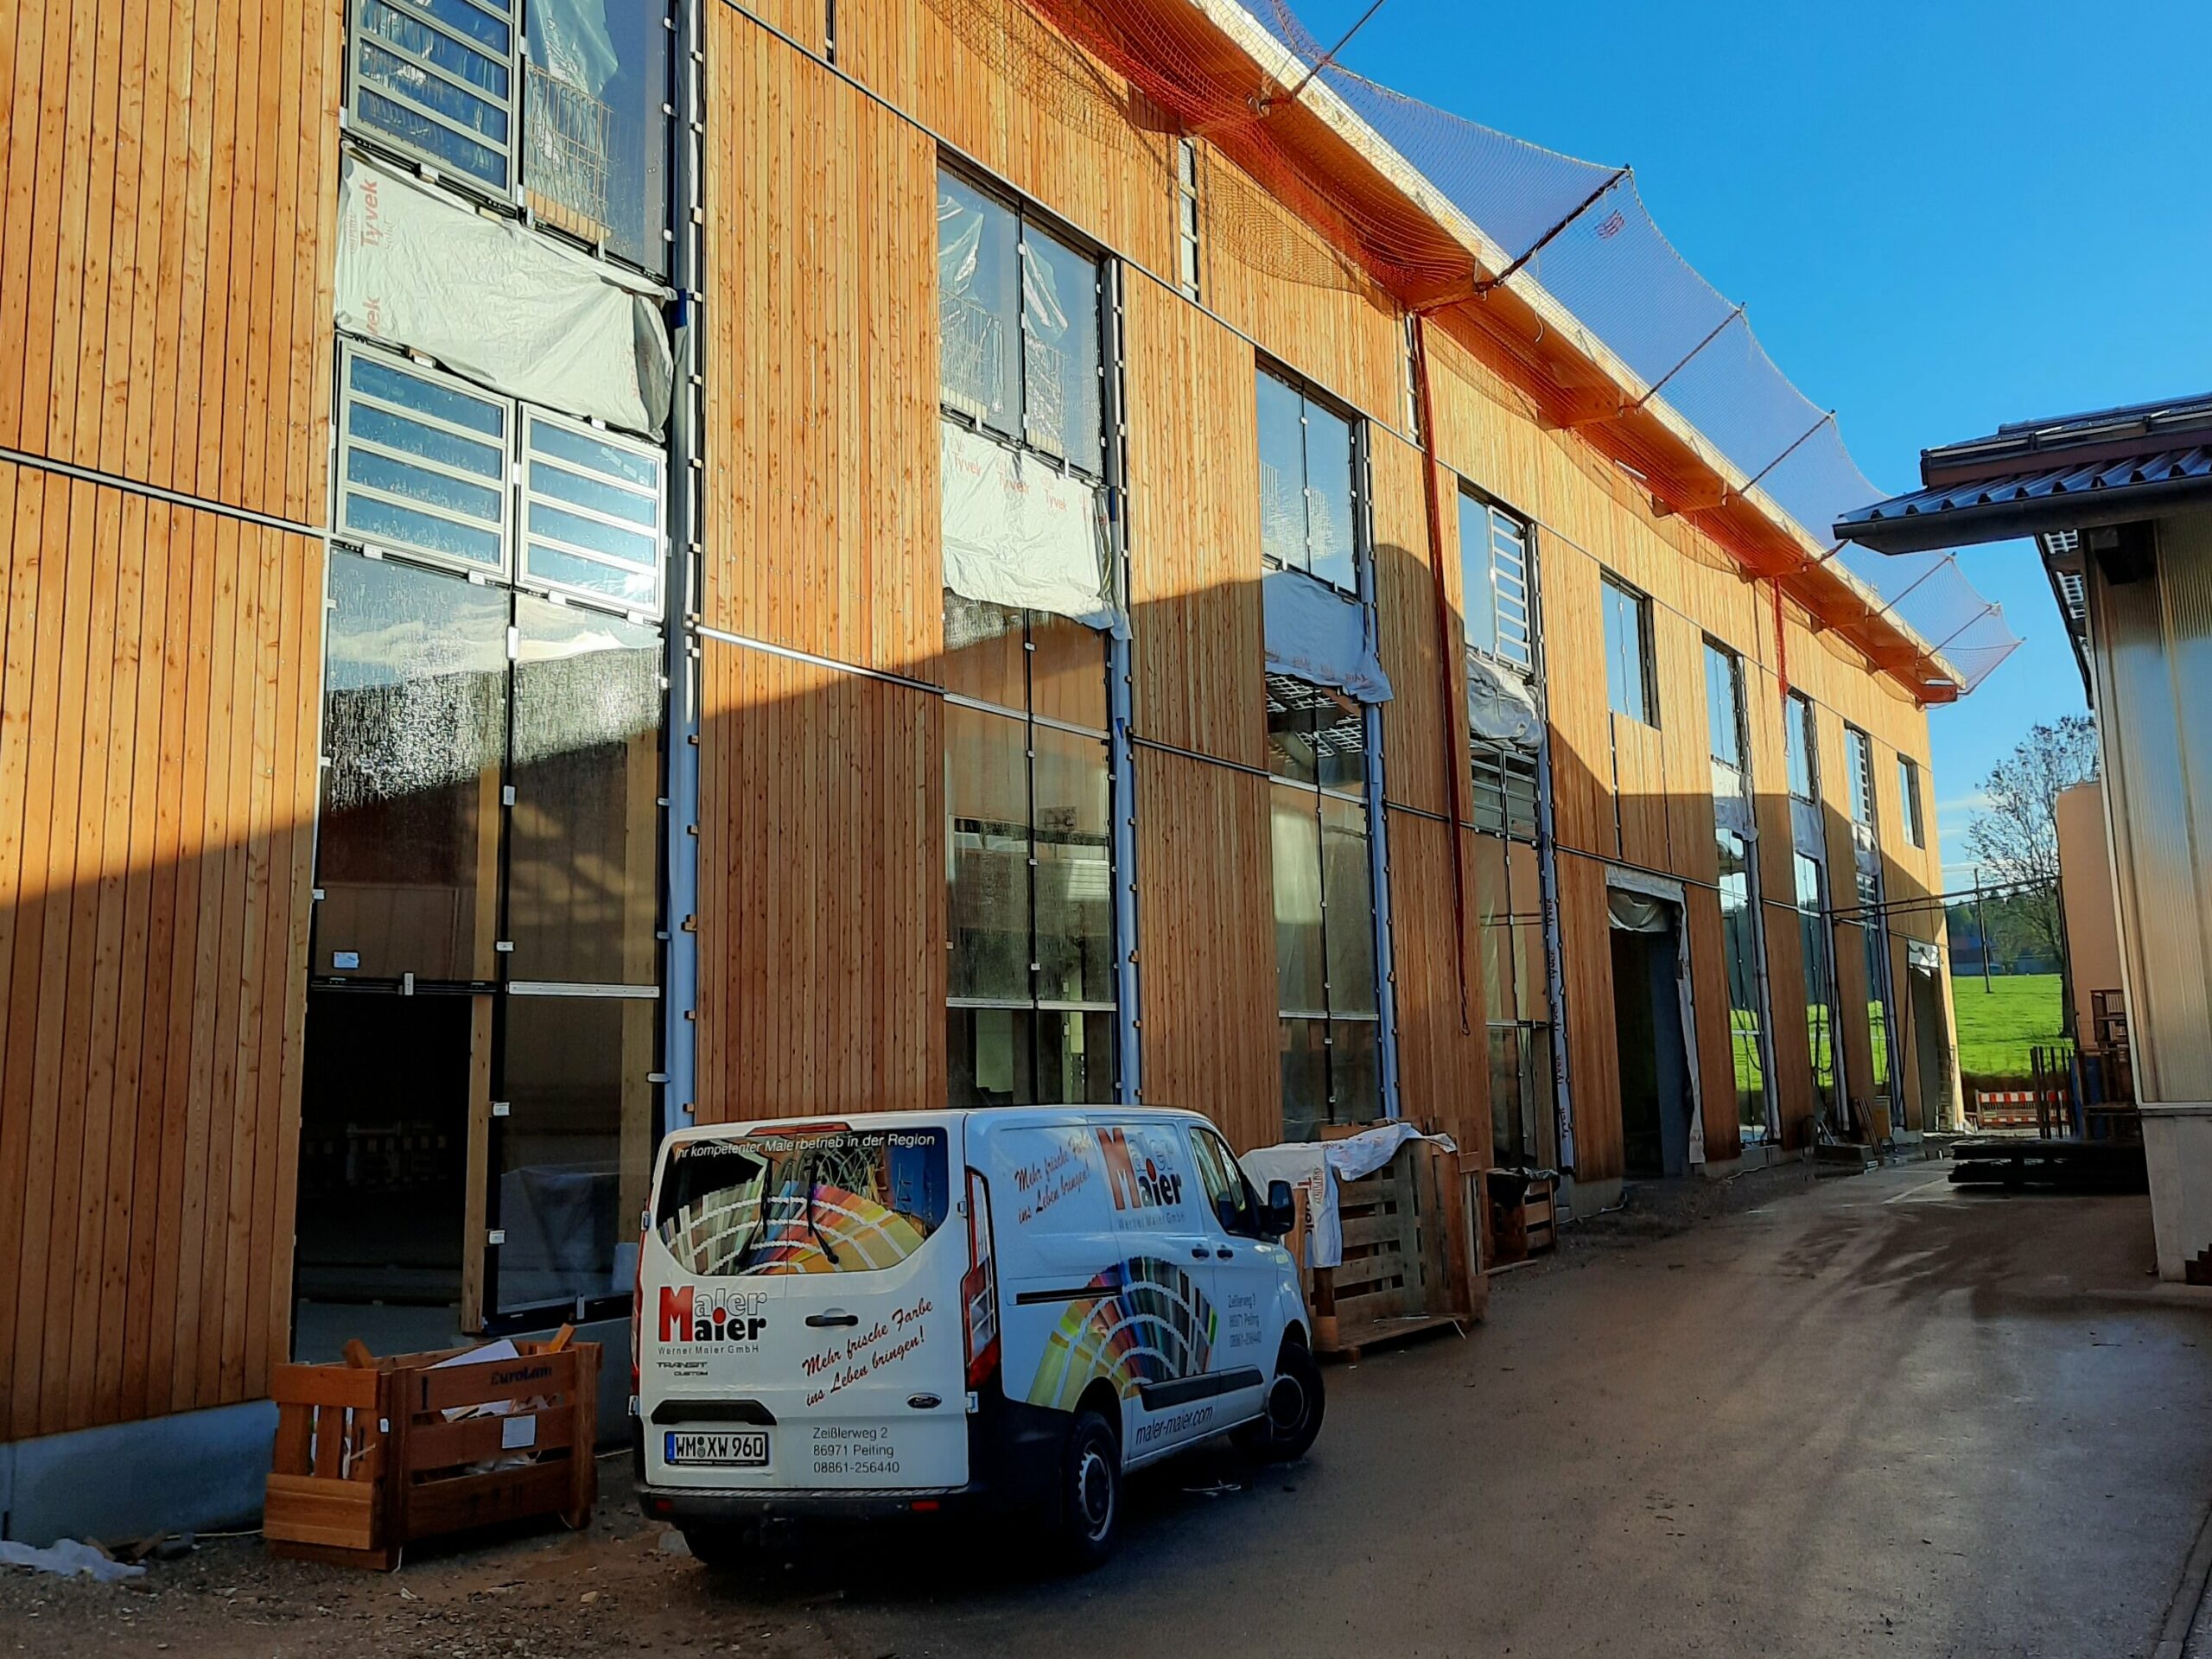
<point>1879,1417</point>
<point>1868,1416</point>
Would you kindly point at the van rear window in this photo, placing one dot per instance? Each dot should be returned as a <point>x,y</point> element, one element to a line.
<point>810,1201</point>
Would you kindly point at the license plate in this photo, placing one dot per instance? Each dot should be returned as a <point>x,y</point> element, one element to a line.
<point>745,1449</point>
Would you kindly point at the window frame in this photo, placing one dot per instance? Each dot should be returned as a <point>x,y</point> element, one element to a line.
<point>1731,662</point>
<point>1909,808</point>
<point>1613,587</point>
<point>1027,217</point>
<point>1800,743</point>
<point>1858,767</point>
<point>533,417</point>
<point>351,352</point>
<point>1358,501</point>
<point>1189,221</point>
<point>1508,556</point>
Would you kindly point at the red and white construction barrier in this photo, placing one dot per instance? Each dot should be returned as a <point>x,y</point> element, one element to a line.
<point>2009,1108</point>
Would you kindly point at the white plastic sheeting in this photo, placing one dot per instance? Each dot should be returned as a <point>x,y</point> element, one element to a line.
<point>1318,1166</point>
<point>1500,708</point>
<point>1022,533</point>
<point>68,1558</point>
<point>498,303</point>
<point>1321,637</point>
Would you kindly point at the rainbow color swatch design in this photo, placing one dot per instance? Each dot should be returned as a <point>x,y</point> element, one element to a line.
<point>1148,1323</point>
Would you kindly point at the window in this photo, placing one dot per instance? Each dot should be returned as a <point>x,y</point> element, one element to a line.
<point>1029,871</point>
<point>1308,500</point>
<point>1229,1195</point>
<point>1018,317</point>
<point>1874,935</point>
<point>1820,982</point>
<point>423,467</point>
<point>1324,909</point>
<point>1724,704</point>
<point>1628,653</point>
<point>1859,759</point>
<point>1412,376</point>
<point>595,123</point>
<point>1516,996</point>
<point>1915,828</point>
<point>1186,215</point>
<point>1504,788</point>
<point>1797,739</point>
<point>1494,581</point>
<point>422,463</point>
<point>591,511</point>
<point>1741,949</point>
<point>437,80</point>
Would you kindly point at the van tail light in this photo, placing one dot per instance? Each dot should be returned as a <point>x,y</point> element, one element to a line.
<point>637,1298</point>
<point>979,1286</point>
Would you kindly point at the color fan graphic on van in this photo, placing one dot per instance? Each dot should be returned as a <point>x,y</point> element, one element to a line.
<point>835,1202</point>
<point>1149,1323</point>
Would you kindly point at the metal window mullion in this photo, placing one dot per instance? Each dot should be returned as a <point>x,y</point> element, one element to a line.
<point>475,48</point>
<point>499,147</point>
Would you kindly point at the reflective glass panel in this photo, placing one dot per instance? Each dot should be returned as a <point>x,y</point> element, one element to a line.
<point>595,132</point>
<point>1075,868</point>
<point>1348,890</point>
<point>573,1155</point>
<point>1330,523</point>
<point>979,312</point>
<point>986,797</point>
<point>1059,333</point>
<point>1299,963</point>
<point>1283,474</point>
<point>415,722</point>
<point>1304,1054</point>
<point>987,1057</point>
<point>583,849</point>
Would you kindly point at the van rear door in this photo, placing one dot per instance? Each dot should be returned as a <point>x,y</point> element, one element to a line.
<point>800,1311</point>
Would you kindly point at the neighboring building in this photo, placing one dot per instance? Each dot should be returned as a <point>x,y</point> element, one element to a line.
<point>694,567</point>
<point>2092,925</point>
<point>2120,503</point>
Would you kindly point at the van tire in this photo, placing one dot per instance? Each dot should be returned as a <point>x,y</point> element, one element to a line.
<point>1090,1492</point>
<point>1295,1403</point>
<point>718,1549</point>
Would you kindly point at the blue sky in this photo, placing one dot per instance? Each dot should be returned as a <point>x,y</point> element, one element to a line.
<point>1943,215</point>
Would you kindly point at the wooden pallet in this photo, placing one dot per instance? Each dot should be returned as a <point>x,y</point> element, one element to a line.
<point>371,1457</point>
<point>1408,1256</point>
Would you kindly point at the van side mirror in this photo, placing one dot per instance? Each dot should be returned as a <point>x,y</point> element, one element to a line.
<point>1280,1213</point>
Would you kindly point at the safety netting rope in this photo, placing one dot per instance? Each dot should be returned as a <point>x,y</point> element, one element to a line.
<point>1589,240</point>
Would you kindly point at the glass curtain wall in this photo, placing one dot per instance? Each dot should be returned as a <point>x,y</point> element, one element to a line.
<point>1030,989</point>
<point>1874,924</point>
<point>1741,939</point>
<point>564,112</point>
<point>1325,908</point>
<point>491,825</point>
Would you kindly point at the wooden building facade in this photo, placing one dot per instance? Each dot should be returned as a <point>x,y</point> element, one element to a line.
<point>878,840</point>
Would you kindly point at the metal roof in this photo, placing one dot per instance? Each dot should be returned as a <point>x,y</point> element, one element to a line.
<point>2029,477</point>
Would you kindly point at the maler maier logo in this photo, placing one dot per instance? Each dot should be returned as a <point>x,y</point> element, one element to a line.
<point>691,1315</point>
<point>1136,1178</point>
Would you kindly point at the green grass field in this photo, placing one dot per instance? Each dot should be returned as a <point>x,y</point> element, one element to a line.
<point>1997,1026</point>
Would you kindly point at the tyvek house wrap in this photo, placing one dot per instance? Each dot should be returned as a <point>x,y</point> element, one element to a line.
<point>1020,532</point>
<point>1321,637</point>
<point>499,304</point>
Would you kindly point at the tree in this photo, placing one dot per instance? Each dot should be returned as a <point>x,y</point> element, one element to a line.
<point>2015,839</point>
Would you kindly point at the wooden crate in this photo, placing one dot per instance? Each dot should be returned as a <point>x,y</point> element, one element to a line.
<point>370,1458</point>
<point>1408,1254</point>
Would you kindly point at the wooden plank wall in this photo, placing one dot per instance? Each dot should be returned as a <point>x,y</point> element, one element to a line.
<point>822,922</point>
<point>167,180</point>
<point>157,777</point>
<point>171,193</point>
<point>1002,88</point>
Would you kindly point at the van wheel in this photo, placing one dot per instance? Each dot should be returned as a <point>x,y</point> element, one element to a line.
<point>1090,1492</point>
<point>1295,1403</point>
<point>717,1547</point>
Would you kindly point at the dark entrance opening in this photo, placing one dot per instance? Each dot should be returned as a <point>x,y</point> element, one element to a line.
<point>1648,1036</point>
<point>383,1170</point>
<point>1931,1054</point>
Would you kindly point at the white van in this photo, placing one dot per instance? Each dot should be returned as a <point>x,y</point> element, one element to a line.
<point>901,1312</point>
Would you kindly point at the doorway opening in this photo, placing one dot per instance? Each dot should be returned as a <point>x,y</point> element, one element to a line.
<point>1656,1102</point>
<point>384,1170</point>
<point>1931,1054</point>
